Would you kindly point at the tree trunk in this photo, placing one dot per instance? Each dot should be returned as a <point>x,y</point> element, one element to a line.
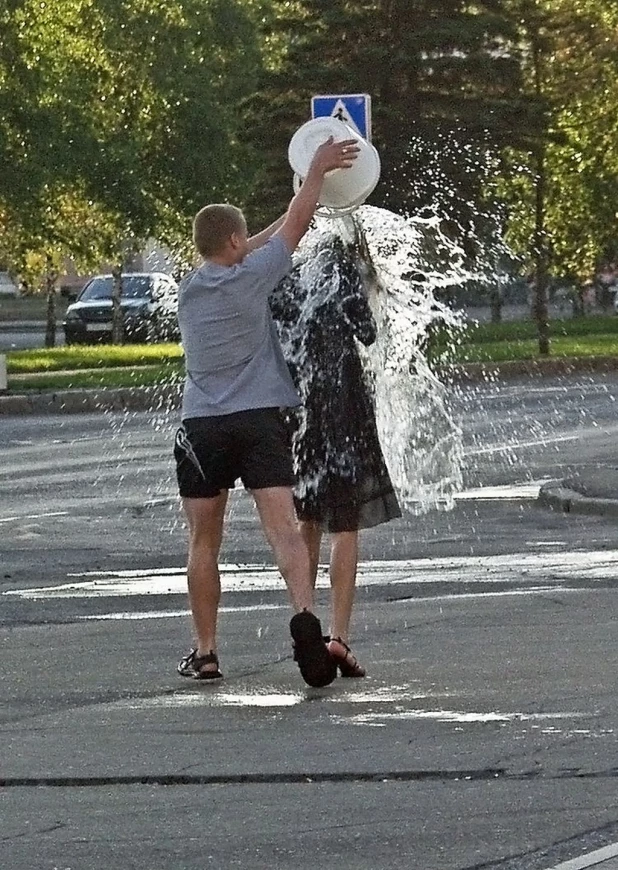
<point>495,304</point>
<point>50,290</point>
<point>117,318</point>
<point>540,307</point>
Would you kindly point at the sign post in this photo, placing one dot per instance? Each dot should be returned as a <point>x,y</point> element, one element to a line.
<point>354,109</point>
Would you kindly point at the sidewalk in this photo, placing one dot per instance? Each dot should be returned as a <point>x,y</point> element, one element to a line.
<point>26,325</point>
<point>146,398</point>
<point>592,490</point>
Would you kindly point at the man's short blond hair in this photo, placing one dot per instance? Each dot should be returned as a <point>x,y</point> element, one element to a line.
<point>213,225</point>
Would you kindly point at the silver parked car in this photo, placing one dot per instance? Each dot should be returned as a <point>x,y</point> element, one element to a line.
<point>149,304</point>
<point>8,287</point>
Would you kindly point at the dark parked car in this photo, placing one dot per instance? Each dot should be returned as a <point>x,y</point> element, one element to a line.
<point>149,304</point>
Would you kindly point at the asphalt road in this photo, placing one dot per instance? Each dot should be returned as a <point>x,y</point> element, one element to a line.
<point>485,735</point>
<point>25,339</point>
<point>14,338</point>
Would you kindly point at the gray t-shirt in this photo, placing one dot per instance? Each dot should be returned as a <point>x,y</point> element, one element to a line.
<point>233,358</point>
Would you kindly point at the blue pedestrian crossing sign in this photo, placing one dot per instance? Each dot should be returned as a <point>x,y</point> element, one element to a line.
<point>354,109</point>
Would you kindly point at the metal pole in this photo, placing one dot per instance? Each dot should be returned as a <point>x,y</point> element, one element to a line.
<point>3,380</point>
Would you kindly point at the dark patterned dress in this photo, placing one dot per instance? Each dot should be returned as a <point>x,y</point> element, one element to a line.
<point>343,482</point>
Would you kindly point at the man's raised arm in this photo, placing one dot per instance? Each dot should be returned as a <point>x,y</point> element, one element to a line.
<point>262,237</point>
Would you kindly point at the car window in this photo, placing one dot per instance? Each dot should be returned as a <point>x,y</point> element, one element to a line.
<point>133,287</point>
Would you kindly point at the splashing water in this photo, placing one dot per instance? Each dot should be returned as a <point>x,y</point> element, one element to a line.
<point>404,262</point>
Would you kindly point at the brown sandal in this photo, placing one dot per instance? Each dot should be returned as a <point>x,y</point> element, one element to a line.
<point>347,662</point>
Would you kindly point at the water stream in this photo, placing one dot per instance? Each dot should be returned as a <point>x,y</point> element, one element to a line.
<point>405,262</point>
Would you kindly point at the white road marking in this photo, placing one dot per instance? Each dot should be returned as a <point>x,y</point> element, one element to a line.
<point>518,445</point>
<point>601,858</point>
<point>529,489</point>
<point>539,570</point>
<point>174,614</point>
<point>33,516</point>
<point>137,615</point>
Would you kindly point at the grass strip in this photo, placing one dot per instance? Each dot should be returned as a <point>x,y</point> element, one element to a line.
<point>100,356</point>
<point>517,330</point>
<point>561,346</point>
<point>144,376</point>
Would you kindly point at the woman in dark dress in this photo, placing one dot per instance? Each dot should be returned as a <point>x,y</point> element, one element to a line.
<point>343,486</point>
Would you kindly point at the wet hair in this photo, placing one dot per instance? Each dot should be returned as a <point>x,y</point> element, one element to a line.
<point>213,225</point>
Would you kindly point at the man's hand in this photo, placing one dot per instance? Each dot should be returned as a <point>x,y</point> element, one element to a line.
<point>330,155</point>
<point>334,155</point>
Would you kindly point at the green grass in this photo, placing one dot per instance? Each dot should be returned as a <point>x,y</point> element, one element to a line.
<point>561,347</point>
<point>526,329</point>
<point>517,340</point>
<point>144,376</point>
<point>105,365</point>
<point>100,356</point>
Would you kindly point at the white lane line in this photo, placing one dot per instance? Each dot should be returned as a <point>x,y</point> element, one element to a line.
<point>137,615</point>
<point>33,516</point>
<point>601,858</point>
<point>519,445</point>
<point>527,489</point>
<point>534,568</point>
<point>461,716</point>
<point>174,614</point>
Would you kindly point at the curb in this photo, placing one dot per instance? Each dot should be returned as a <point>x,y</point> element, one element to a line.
<point>153,398</point>
<point>556,496</point>
<point>529,368</point>
<point>84,401</point>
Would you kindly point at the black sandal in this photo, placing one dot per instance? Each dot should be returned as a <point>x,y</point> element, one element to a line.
<point>316,666</point>
<point>347,662</point>
<point>191,666</point>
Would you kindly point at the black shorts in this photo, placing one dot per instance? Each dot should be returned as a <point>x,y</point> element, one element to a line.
<point>213,452</point>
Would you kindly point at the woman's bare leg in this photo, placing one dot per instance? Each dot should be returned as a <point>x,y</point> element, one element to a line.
<point>343,564</point>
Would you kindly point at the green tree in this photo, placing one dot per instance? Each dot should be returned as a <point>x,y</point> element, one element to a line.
<point>562,191</point>
<point>132,105</point>
<point>444,76</point>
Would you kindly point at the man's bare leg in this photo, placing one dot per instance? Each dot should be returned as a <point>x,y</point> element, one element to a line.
<point>312,536</point>
<point>205,520</point>
<point>276,509</point>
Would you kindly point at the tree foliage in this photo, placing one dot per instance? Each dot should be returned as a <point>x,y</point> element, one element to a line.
<point>129,106</point>
<point>576,73</point>
<point>120,118</point>
<point>445,80</point>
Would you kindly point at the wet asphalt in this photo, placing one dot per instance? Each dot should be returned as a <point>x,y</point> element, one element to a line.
<point>483,736</point>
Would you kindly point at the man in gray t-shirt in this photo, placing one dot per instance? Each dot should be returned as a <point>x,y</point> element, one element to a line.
<point>236,384</point>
